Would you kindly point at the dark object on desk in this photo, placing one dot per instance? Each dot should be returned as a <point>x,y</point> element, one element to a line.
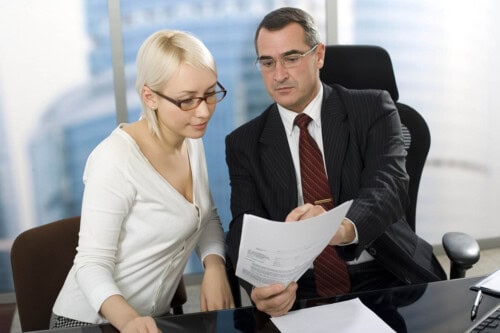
<point>488,323</point>
<point>41,258</point>
<point>370,67</point>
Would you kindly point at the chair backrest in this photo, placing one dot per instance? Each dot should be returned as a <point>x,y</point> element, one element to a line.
<point>370,67</point>
<point>41,259</point>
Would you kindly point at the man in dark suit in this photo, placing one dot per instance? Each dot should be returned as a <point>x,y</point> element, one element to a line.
<point>359,135</point>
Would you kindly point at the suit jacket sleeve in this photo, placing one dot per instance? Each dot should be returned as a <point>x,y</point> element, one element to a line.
<point>373,170</point>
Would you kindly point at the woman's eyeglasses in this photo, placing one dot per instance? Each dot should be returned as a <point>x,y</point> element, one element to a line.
<point>193,102</point>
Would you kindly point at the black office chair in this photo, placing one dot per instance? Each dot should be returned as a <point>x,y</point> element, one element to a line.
<point>370,67</point>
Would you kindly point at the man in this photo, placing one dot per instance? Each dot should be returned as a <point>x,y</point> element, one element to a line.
<point>359,136</point>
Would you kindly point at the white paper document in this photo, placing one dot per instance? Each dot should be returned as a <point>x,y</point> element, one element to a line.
<point>276,252</point>
<point>349,316</point>
<point>490,284</point>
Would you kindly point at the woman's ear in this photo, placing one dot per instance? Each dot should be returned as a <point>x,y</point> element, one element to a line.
<point>149,97</point>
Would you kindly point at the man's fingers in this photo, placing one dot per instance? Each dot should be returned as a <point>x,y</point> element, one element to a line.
<point>277,301</point>
<point>262,293</point>
<point>304,212</point>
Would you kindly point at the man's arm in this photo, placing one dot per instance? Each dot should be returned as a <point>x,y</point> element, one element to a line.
<point>383,194</point>
<point>275,299</point>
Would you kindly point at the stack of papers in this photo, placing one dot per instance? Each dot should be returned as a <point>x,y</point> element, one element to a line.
<point>490,284</point>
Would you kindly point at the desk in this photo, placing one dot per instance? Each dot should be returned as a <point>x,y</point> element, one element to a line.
<point>435,307</point>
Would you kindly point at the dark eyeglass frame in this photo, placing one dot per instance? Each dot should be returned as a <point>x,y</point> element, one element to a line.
<point>292,55</point>
<point>220,94</point>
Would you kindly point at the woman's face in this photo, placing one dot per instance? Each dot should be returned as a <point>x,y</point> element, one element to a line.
<point>188,82</point>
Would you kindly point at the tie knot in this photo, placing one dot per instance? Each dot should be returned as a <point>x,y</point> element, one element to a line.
<point>302,120</point>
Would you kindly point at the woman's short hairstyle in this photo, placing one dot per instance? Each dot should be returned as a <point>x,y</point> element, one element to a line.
<point>281,17</point>
<point>159,59</point>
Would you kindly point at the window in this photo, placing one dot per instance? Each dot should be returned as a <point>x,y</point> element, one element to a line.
<point>57,98</point>
<point>444,55</point>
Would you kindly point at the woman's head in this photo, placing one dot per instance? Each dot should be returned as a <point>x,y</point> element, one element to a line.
<point>160,58</point>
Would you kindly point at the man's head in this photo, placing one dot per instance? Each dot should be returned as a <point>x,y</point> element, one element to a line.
<point>289,55</point>
<point>279,18</point>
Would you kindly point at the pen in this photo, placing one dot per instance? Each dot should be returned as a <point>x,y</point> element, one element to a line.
<point>322,201</point>
<point>475,306</point>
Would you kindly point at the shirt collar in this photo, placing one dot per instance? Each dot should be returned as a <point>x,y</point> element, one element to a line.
<point>313,110</point>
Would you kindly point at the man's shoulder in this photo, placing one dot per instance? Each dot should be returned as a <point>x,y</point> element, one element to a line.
<point>356,102</point>
<point>355,94</point>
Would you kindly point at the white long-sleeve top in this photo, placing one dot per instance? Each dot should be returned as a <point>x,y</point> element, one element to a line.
<point>137,232</point>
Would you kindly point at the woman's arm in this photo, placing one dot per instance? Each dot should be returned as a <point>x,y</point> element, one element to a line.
<point>215,291</point>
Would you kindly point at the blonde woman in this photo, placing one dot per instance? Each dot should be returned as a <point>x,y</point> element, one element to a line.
<point>147,202</point>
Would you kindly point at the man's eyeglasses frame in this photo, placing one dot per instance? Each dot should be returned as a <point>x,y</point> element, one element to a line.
<point>289,59</point>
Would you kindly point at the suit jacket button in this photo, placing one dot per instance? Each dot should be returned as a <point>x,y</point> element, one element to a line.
<point>372,251</point>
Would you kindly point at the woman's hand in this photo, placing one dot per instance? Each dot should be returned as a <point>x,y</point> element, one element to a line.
<point>124,318</point>
<point>140,324</point>
<point>215,292</point>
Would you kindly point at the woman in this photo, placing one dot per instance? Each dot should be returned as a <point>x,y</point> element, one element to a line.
<point>147,203</point>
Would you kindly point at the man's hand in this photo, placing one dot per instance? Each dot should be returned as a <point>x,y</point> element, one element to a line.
<point>304,212</point>
<point>345,233</point>
<point>275,300</point>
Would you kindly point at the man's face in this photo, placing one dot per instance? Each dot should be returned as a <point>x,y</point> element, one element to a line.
<point>293,87</point>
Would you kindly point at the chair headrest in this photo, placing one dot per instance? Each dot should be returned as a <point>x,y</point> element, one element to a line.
<point>359,67</point>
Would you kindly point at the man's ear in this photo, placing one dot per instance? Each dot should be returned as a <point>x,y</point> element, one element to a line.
<point>320,53</point>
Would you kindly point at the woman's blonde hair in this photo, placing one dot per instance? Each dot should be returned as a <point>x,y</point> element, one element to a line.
<point>160,57</point>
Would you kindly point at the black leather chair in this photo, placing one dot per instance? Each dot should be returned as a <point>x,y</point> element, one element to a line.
<point>41,258</point>
<point>370,67</point>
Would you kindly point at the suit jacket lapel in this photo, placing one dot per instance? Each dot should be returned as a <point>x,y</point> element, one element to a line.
<point>335,137</point>
<point>277,162</point>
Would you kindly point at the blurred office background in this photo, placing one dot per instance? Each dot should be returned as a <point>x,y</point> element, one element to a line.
<point>67,73</point>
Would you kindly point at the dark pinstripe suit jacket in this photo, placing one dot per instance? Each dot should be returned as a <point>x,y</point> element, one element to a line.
<point>365,160</point>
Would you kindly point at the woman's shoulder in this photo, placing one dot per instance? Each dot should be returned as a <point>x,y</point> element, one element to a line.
<point>116,147</point>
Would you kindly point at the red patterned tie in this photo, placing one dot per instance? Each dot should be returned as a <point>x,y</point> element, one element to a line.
<point>330,270</point>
